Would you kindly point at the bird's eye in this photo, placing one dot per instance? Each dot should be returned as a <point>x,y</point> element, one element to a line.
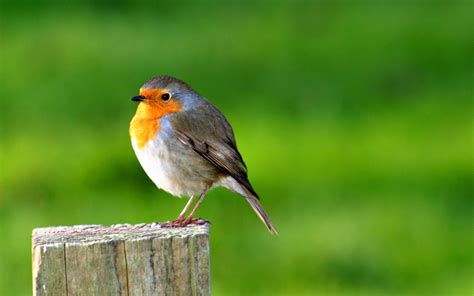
<point>165,97</point>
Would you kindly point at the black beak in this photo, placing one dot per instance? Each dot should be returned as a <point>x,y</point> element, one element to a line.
<point>138,98</point>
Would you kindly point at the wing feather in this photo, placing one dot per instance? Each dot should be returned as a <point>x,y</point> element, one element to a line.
<point>208,133</point>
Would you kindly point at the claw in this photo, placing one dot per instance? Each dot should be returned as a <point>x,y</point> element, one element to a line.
<point>171,224</point>
<point>183,223</point>
<point>197,221</point>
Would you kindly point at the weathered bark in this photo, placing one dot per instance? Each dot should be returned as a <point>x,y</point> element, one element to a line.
<point>142,259</point>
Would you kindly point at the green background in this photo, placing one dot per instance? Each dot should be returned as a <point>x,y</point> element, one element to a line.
<point>355,121</point>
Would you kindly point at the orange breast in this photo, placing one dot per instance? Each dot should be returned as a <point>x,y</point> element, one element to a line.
<point>143,130</point>
<point>146,122</point>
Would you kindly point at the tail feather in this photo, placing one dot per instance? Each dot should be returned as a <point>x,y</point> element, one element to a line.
<point>247,191</point>
<point>257,207</point>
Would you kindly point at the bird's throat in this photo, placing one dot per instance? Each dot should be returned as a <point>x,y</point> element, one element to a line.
<point>146,122</point>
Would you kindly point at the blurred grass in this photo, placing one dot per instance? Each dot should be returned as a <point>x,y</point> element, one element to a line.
<point>355,122</point>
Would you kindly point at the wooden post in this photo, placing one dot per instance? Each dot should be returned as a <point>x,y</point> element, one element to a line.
<point>142,259</point>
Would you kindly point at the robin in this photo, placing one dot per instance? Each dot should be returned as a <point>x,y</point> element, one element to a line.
<point>187,147</point>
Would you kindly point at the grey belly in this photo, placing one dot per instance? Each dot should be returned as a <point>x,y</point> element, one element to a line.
<point>176,168</point>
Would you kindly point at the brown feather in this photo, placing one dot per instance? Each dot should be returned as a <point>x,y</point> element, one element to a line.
<point>207,132</point>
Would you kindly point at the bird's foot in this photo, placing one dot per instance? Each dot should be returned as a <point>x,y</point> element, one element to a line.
<point>183,222</point>
<point>197,221</point>
<point>175,223</point>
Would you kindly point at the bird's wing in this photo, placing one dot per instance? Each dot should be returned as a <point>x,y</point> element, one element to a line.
<point>207,132</point>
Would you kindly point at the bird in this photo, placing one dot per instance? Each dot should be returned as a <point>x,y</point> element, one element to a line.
<point>187,147</point>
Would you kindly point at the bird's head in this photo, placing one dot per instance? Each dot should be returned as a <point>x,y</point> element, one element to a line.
<point>165,95</point>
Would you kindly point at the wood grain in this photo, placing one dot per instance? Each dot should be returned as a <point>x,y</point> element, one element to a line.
<point>142,259</point>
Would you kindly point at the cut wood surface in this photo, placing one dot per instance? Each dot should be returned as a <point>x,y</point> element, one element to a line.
<point>142,259</point>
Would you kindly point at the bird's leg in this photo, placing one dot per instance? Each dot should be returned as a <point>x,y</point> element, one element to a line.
<point>186,208</point>
<point>180,219</point>
<point>190,220</point>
